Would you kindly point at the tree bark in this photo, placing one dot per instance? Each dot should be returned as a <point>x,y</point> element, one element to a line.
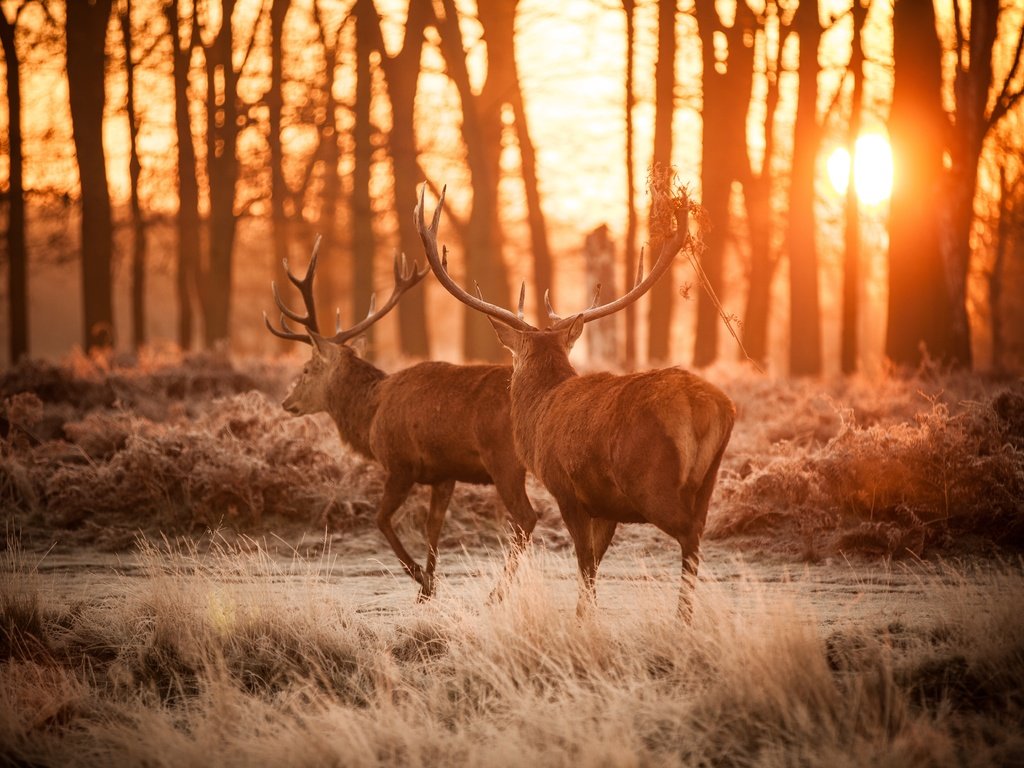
<point>17,251</point>
<point>659,340</point>
<point>629,252</point>
<point>481,133</point>
<point>805,317</point>
<point>919,307</point>
<point>138,288</point>
<point>275,106</point>
<point>363,242</point>
<point>222,172</point>
<point>86,28</point>
<point>851,235</point>
<point>187,219</point>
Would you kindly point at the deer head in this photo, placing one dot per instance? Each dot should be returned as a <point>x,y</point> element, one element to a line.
<point>332,356</point>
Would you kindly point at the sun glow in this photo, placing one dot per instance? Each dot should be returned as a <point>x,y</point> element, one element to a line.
<point>872,171</point>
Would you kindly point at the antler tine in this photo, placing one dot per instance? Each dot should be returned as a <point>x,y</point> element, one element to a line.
<point>671,247</point>
<point>286,332</point>
<point>522,301</point>
<point>305,286</point>
<point>405,278</point>
<point>439,264</point>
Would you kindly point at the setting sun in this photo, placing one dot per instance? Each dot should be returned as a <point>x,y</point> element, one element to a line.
<point>872,173</point>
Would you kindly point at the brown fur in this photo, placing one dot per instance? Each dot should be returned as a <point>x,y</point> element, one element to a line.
<point>637,448</point>
<point>432,423</point>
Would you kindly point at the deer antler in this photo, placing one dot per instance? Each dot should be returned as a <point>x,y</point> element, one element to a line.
<point>405,278</point>
<point>305,286</point>
<point>641,285</point>
<point>439,263</point>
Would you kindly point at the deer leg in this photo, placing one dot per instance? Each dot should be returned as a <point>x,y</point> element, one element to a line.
<point>690,542</point>
<point>579,525</point>
<point>396,491</point>
<point>602,532</point>
<point>440,496</point>
<point>522,521</point>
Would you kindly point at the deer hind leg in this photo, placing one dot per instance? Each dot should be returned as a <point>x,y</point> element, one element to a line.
<point>396,491</point>
<point>579,525</point>
<point>511,487</point>
<point>602,532</point>
<point>440,496</point>
<point>696,506</point>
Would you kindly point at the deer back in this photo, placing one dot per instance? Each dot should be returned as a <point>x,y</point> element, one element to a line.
<point>611,441</point>
<point>443,421</point>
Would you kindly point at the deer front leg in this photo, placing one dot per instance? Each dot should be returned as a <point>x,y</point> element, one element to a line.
<point>440,496</point>
<point>396,491</point>
<point>578,523</point>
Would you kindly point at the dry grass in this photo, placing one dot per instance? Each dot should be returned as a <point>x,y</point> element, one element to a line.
<point>210,661</point>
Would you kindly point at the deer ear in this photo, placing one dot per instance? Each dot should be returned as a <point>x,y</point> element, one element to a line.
<point>574,331</point>
<point>509,337</point>
<point>359,345</point>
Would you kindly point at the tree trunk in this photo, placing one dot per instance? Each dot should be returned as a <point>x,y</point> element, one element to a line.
<point>659,340</point>
<point>629,252</point>
<point>851,257</point>
<point>481,132</point>
<point>919,311</point>
<point>222,172</point>
<point>363,243</point>
<point>757,199</point>
<point>726,97</point>
<point>401,72</point>
<point>275,105</point>
<point>17,251</point>
<point>804,317</point>
<point>138,289</point>
<point>188,246</point>
<point>86,28</point>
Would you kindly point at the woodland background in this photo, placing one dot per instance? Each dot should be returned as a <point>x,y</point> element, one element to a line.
<point>159,159</point>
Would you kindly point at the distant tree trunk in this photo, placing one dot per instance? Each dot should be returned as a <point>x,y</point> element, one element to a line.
<point>86,28</point>
<point>275,105</point>
<point>138,290</point>
<point>805,317</point>
<point>401,71</point>
<point>629,252</point>
<point>17,251</point>
<point>659,340</point>
<point>1004,235</point>
<point>482,135</point>
<point>327,291</point>
<point>222,173</point>
<point>599,256</point>
<point>188,246</point>
<point>503,87</point>
<point>851,257</point>
<point>919,311</point>
<point>726,97</point>
<point>363,243</point>
<point>757,200</point>
<point>969,127</point>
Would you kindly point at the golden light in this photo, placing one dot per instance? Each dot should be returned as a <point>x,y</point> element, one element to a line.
<point>872,172</point>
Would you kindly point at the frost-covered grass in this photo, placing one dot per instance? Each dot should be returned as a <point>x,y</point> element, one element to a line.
<point>205,662</point>
<point>886,466</point>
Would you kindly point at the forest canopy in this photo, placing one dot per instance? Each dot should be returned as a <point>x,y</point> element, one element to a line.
<point>161,158</point>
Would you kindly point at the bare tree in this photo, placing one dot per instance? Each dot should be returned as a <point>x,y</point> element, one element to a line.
<point>86,29</point>
<point>138,288</point>
<point>659,338</point>
<point>851,235</point>
<point>629,252</point>
<point>481,132</point>
<point>187,219</point>
<point>804,313</point>
<point>919,307</point>
<point>17,251</point>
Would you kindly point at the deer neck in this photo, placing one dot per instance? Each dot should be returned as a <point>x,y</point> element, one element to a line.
<point>533,382</point>
<point>352,401</point>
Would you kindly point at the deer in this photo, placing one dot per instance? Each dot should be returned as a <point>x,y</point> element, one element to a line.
<point>433,423</point>
<point>641,447</point>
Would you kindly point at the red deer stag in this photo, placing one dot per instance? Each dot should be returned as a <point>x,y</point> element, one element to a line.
<point>635,448</point>
<point>432,423</point>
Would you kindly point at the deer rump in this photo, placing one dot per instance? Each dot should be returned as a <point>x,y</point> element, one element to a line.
<point>408,436</point>
<point>637,448</point>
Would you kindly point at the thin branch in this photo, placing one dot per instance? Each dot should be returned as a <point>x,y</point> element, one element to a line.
<point>1007,99</point>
